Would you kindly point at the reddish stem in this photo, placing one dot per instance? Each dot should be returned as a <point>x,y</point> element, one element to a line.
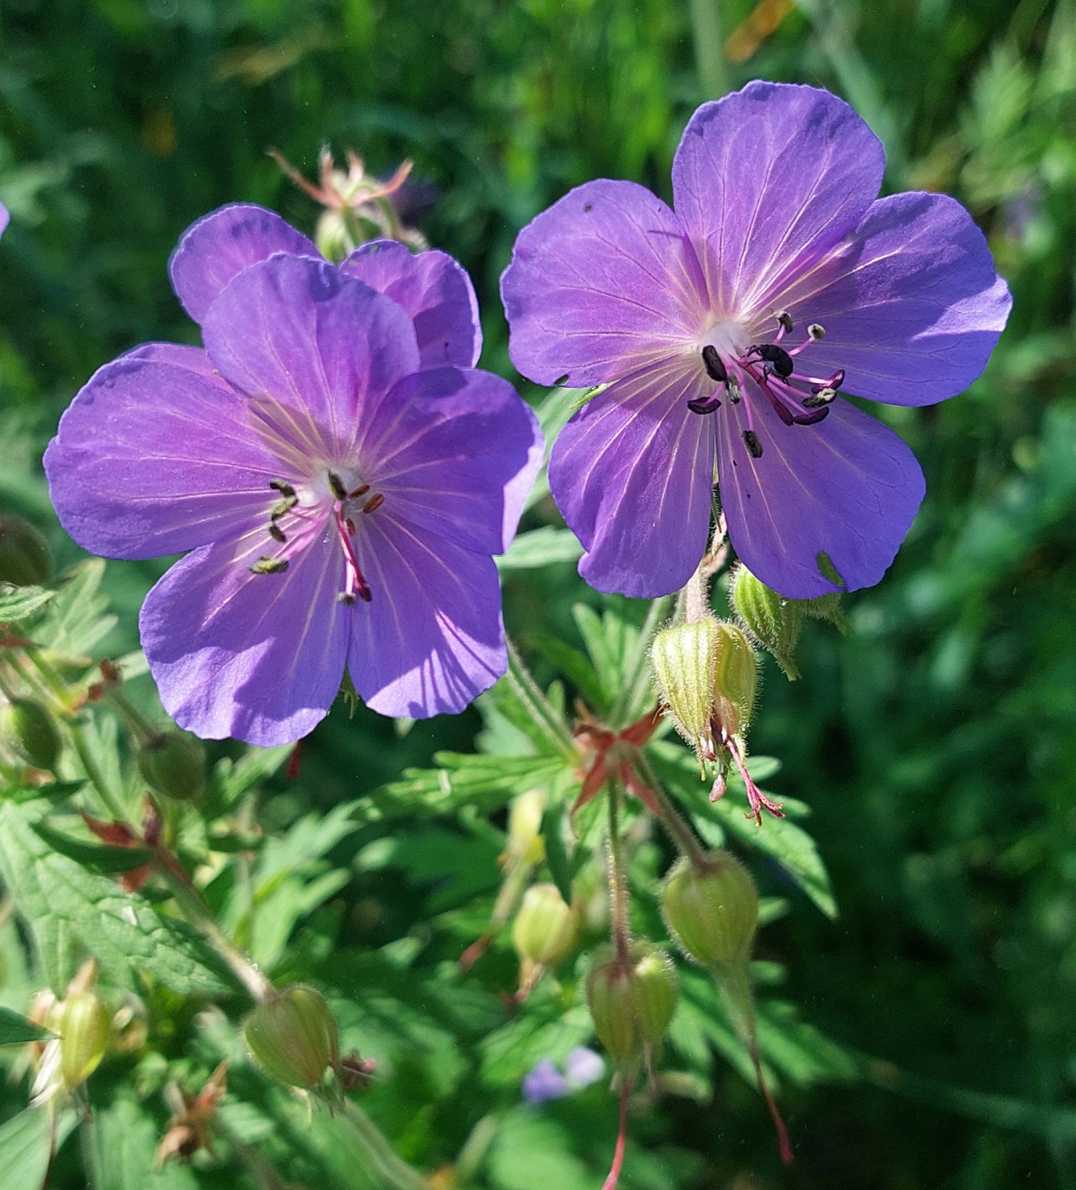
<point>613,1176</point>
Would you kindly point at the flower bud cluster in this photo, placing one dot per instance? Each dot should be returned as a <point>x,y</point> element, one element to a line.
<point>632,998</point>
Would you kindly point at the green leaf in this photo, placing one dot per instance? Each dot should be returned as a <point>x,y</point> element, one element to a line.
<point>572,663</point>
<point>121,1142</point>
<point>233,778</point>
<point>77,615</point>
<point>540,547</point>
<point>16,1029</point>
<point>16,603</point>
<point>27,1141</point>
<point>71,912</point>
<point>97,857</point>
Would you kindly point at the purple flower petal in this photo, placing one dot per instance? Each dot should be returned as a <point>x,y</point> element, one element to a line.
<point>4,218</point>
<point>632,472</point>
<point>583,1066</point>
<point>258,657</point>
<point>847,488</point>
<point>768,179</point>
<point>454,452</point>
<point>912,306</point>
<point>544,1082</point>
<point>323,348</point>
<point>221,244</point>
<point>434,290</point>
<point>153,458</point>
<point>602,283</point>
<point>431,639</point>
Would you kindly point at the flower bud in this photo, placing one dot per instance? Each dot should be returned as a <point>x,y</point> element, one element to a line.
<point>632,1000</point>
<point>525,827</point>
<point>546,929</point>
<point>173,763</point>
<point>713,912</point>
<point>84,1025</point>
<point>773,621</point>
<point>684,657</point>
<point>28,730</point>
<point>25,559</point>
<point>334,235</point>
<point>735,679</point>
<point>292,1036</point>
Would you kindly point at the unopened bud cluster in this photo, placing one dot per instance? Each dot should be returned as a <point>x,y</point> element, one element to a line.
<point>632,998</point>
<point>172,763</point>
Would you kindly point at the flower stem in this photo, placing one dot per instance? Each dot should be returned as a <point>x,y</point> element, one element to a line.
<point>395,1173</point>
<point>542,710</point>
<point>620,715</point>
<point>618,888</point>
<point>682,834</point>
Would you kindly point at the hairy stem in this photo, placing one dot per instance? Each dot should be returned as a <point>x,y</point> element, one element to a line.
<point>618,888</point>
<point>673,821</point>
<point>530,694</point>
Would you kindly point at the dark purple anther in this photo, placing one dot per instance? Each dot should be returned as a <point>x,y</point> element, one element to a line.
<point>777,356</point>
<point>704,405</point>
<point>715,367</point>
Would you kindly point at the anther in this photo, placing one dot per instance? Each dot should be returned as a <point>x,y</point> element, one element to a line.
<point>703,405</point>
<point>337,485</point>
<point>373,503</point>
<point>771,353</point>
<point>282,507</point>
<point>754,447</point>
<point>361,490</point>
<point>816,331</point>
<point>784,321</point>
<point>276,533</point>
<point>269,566</point>
<point>715,367</point>
<point>820,397</point>
<point>734,391</point>
<point>279,485</point>
<point>811,419</point>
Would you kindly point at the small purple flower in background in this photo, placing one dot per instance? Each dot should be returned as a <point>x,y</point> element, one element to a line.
<point>727,333</point>
<point>582,1067</point>
<point>4,218</point>
<point>340,470</point>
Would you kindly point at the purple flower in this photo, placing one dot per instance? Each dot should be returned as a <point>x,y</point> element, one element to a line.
<point>339,469</point>
<point>4,217</point>
<point>582,1067</point>
<point>727,332</point>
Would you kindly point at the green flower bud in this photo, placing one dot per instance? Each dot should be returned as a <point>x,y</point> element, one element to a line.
<point>773,621</point>
<point>29,731</point>
<point>292,1036</point>
<point>631,1000</point>
<point>84,1025</point>
<point>173,763</point>
<point>525,840</point>
<point>333,235</point>
<point>25,559</point>
<point>546,930</point>
<point>684,657</point>
<point>735,679</point>
<point>712,913</point>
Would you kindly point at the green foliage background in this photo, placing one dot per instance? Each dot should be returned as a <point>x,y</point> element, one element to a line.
<point>934,744</point>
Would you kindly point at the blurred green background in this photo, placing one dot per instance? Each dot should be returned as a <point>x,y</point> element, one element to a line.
<point>936,744</point>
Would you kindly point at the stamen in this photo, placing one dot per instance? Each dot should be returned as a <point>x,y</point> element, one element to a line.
<point>820,397</point>
<point>276,533</point>
<point>279,485</point>
<point>784,321</point>
<point>782,362</point>
<point>704,405</point>
<point>283,507</point>
<point>269,566</point>
<point>361,490</point>
<point>715,367</point>
<point>337,485</point>
<point>373,503</point>
<point>816,331</point>
<point>754,447</point>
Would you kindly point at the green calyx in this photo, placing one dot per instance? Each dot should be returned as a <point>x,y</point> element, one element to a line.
<point>172,763</point>
<point>632,999</point>
<point>712,911</point>
<point>28,730</point>
<point>546,930</point>
<point>293,1037</point>
<point>773,621</point>
<point>85,1026</point>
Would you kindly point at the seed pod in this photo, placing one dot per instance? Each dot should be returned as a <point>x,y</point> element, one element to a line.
<point>712,913</point>
<point>293,1037</point>
<point>25,559</point>
<point>525,827</point>
<point>84,1025</point>
<point>632,1001</point>
<point>29,731</point>
<point>546,930</point>
<point>773,621</point>
<point>173,763</point>
<point>684,657</point>
<point>735,679</point>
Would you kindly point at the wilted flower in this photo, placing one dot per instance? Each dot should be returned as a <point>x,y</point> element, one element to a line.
<point>340,470</point>
<point>727,332</point>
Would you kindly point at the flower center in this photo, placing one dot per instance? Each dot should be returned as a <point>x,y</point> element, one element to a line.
<point>797,397</point>
<point>299,512</point>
